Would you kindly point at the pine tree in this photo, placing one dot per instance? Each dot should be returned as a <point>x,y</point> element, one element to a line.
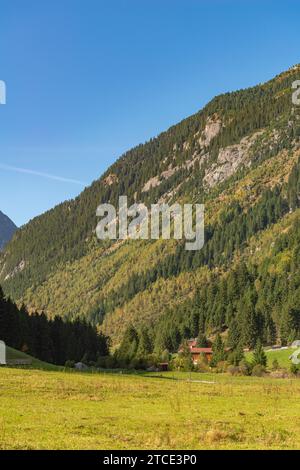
<point>237,356</point>
<point>250,331</point>
<point>145,346</point>
<point>234,334</point>
<point>259,355</point>
<point>218,351</point>
<point>186,357</point>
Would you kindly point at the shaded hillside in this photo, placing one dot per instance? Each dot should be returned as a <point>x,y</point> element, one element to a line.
<point>239,155</point>
<point>7,229</point>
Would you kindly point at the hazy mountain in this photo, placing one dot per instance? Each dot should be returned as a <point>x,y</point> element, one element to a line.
<point>7,229</point>
<point>239,155</point>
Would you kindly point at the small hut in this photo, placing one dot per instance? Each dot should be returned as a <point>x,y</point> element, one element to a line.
<point>2,353</point>
<point>163,366</point>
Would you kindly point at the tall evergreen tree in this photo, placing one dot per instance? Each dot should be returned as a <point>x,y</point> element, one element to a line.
<point>259,355</point>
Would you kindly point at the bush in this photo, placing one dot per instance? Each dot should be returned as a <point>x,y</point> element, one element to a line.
<point>236,356</point>
<point>85,359</point>
<point>70,364</point>
<point>221,367</point>
<point>258,370</point>
<point>139,363</point>
<point>202,366</point>
<point>182,363</point>
<point>165,356</point>
<point>153,360</point>
<point>233,370</point>
<point>275,364</point>
<point>245,368</point>
<point>294,369</point>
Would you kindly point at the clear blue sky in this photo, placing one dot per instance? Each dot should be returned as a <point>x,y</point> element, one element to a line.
<point>88,79</point>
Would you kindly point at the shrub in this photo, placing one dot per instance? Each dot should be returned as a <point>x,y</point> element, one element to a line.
<point>153,360</point>
<point>70,364</point>
<point>106,362</point>
<point>294,369</point>
<point>110,362</point>
<point>165,356</point>
<point>236,356</point>
<point>245,368</point>
<point>221,367</point>
<point>85,359</point>
<point>182,363</point>
<point>275,364</point>
<point>233,370</point>
<point>202,366</point>
<point>258,370</point>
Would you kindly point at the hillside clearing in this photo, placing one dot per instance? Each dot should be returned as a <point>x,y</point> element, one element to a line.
<point>59,410</point>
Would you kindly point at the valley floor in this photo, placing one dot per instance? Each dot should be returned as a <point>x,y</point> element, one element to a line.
<point>68,410</point>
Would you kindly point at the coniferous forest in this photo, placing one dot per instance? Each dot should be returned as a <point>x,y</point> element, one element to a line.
<point>55,341</point>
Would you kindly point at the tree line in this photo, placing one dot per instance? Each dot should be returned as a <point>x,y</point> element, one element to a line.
<point>55,341</point>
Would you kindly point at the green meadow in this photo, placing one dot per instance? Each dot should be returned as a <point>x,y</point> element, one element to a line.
<point>280,355</point>
<point>44,409</point>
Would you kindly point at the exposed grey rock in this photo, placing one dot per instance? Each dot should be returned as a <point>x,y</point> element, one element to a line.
<point>230,159</point>
<point>211,130</point>
<point>81,366</point>
<point>18,269</point>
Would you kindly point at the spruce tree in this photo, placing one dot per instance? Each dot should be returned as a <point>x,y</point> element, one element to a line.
<point>218,351</point>
<point>259,355</point>
<point>234,334</point>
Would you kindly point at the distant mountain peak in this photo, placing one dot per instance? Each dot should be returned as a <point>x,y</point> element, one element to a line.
<point>7,229</point>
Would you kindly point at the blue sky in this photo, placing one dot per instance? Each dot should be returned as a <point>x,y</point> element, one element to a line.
<point>88,79</point>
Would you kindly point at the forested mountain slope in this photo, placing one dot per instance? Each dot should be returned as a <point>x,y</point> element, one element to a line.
<point>240,156</point>
<point>7,229</point>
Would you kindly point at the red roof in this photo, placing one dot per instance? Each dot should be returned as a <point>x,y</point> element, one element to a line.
<point>201,350</point>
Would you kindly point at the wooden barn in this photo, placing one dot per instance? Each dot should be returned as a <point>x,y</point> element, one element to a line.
<point>197,353</point>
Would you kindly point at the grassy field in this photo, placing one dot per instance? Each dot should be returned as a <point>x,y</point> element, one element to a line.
<point>69,410</point>
<point>282,356</point>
